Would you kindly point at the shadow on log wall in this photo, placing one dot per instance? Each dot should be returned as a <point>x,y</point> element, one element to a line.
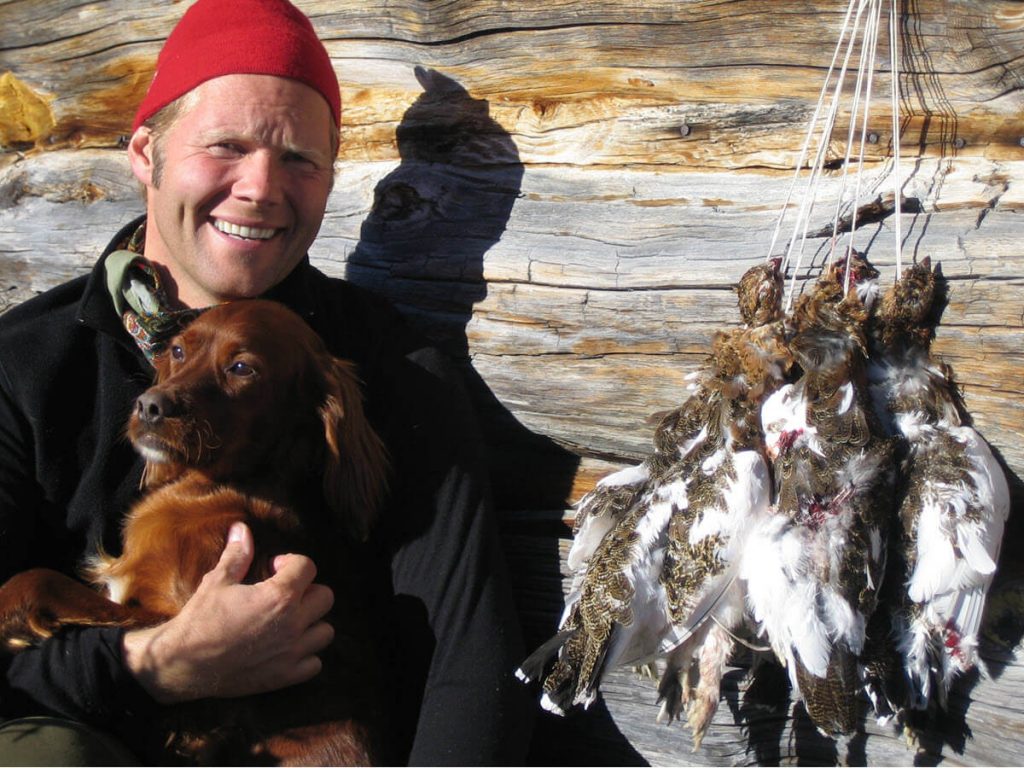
<point>434,217</point>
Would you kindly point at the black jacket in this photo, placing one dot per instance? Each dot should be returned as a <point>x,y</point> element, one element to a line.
<point>69,374</point>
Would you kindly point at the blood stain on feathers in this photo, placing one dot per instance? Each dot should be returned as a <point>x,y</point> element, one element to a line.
<point>954,496</point>
<point>822,554</point>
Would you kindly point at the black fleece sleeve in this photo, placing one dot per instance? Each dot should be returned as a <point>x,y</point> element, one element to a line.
<point>473,711</point>
<point>78,674</point>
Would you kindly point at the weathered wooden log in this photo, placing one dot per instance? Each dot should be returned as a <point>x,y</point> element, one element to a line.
<point>563,194</point>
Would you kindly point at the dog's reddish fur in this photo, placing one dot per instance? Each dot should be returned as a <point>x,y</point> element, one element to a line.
<point>248,420</point>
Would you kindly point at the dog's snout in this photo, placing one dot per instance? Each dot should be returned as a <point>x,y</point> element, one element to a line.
<point>153,406</point>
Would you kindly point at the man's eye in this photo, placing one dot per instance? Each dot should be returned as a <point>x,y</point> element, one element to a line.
<point>296,157</point>
<point>225,149</point>
<point>239,368</point>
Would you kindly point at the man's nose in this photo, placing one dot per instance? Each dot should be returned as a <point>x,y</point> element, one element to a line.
<point>259,179</point>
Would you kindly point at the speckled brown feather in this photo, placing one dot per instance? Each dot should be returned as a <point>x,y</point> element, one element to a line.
<point>724,404</point>
<point>603,603</point>
<point>829,343</point>
<point>831,701</point>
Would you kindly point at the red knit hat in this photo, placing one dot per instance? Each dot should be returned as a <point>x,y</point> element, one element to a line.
<point>230,37</point>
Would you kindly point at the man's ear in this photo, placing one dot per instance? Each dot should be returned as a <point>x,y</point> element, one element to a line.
<point>140,155</point>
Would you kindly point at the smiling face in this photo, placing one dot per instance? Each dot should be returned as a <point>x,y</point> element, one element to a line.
<point>246,172</point>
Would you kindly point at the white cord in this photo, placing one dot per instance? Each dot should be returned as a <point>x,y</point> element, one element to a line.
<point>868,52</point>
<point>810,193</point>
<point>862,92</point>
<point>810,132</point>
<point>894,66</point>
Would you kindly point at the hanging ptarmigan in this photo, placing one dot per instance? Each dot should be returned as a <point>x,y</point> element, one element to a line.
<point>727,489</point>
<point>954,495</point>
<point>759,297</point>
<point>817,563</point>
<point>632,596</point>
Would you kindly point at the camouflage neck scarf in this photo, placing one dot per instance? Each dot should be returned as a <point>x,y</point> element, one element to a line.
<point>140,300</point>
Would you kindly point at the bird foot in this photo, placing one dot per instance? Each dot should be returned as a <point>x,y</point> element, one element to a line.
<point>646,671</point>
<point>671,696</point>
<point>701,712</point>
<point>910,736</point>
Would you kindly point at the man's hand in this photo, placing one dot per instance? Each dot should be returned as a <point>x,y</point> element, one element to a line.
<point>234,639</point>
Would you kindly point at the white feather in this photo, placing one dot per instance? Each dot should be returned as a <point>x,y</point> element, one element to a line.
<point>848,393</point>
<point>595,527</point>
<point>803,629</point>
<point>955,551</point>
<point>549,706</point>
<point>627,476</point>
<point>868,292</point>
<point>689,445</point>
<point>784,414</point>
<point>714,461</point>
<point>596,523</point>
<point>587,539</point>
<point>842,620</point>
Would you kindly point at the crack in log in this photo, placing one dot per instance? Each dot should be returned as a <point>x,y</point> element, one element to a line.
<point>495,31</point>
<point>876,211</point>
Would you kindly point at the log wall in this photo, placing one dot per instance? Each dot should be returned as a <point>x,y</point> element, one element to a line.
<point>563,194</point>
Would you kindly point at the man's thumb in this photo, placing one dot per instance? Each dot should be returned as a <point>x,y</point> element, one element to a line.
<point>237,555</point>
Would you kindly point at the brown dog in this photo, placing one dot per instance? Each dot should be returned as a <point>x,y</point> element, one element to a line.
<point>250,419</point>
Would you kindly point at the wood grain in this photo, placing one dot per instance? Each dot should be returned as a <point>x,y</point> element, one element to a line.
<point>563,194</point>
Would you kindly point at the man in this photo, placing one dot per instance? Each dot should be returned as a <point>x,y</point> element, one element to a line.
<point>234,144</point>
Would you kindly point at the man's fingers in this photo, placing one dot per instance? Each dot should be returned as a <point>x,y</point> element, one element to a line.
<point>305,670</point>
<point>237,555</point>
<point>304,602</point>
<point>312,642</point>
<point>295,572</point>
<point>308,667</point>
<point>317,601</point>
<point>315,639</point>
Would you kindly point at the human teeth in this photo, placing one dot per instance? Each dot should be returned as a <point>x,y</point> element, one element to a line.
<point>250,233</point>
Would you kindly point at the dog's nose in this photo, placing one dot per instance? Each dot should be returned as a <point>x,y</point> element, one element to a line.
<point>151,407</point>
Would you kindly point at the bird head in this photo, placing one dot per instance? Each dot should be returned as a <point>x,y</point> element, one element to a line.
<point>827,326</point>
<point>905,311</point>
<point>760,291</point>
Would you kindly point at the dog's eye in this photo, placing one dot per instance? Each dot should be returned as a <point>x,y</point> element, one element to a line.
<point>239,368</point>
<point>177,353</point>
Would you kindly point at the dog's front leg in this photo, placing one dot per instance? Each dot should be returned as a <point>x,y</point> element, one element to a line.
<point>35,604</point>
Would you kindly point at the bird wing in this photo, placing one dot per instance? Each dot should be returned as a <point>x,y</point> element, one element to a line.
<point>957,509</point>
<point>741,501</point>
<point>598,511</point>
<point>615,609</point>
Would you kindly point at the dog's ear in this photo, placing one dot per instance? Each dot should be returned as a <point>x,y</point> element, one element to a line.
<point>356,466</point>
